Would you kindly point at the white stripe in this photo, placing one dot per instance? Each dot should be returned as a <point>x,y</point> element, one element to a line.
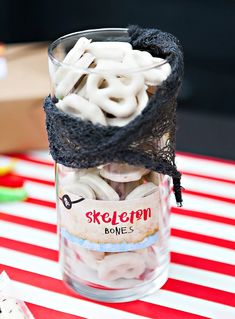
<point>206,167</point>
<point>29,235</point>
<point>202,277</point>
<point>184,246</point>
<point>208,186</point>
<point>202,250</point>
<point>191,304</point>
<point>40,155</point>
<point>206,205</point>
<point>202,226</point>
<point>40,191</point>
<point>30,211</point>
<point>51,269</point>
<point>67,304</point>
<point>33,169</point>
<point>35,264</point>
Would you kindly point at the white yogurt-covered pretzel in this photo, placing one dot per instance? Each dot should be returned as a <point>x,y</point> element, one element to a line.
<point>101,188</point>
<point>154,75</point>
<point>122,265</point>
<point>80,189</point>
<point>151,259</point>
<point>90,257</point>
<point>71,58</point>
<point>142,100</point>
<point>142,191</point>
<point>81,89</point>
<point>118,97</point>
<point>79,106</point>
<point>122,173</point>
<point>109,50</point>
<point>158,74</point>
<point>71,175</point>
<point>73,76</point>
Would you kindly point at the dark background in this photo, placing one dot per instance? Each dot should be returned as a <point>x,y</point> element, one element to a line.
<point>206,29</point>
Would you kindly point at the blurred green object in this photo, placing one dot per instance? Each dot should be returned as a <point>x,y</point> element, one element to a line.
<point>8,194</point>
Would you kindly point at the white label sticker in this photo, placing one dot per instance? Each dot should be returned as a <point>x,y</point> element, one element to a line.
<point>111,226</point>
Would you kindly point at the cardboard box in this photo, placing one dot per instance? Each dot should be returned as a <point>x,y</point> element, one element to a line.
<point>22,120</point>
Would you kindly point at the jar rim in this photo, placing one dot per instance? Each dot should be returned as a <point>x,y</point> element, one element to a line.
<point>88,70</point>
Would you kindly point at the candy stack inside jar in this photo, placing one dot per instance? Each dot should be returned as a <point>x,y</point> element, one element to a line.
<point>113,218</point>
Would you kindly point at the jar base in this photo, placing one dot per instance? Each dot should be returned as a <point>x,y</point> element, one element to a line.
<point>117,295</point>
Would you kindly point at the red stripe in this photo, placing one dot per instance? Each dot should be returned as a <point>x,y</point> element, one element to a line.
<point>40,312</point>
<point>36,180</point>
<point>203,238</point>
<point>215,218</point>
<point>199,291</point>
<point>202,263</point>
<point>34,250</point>
<point>26,158</point>
<point>28,222</point>
<point>213,178</point>
<point>136,307</point>
<point>205,157</point>
<point>214,197</point>
<point>40,202</point>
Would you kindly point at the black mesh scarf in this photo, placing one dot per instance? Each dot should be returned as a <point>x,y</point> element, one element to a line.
<point>80,144</point>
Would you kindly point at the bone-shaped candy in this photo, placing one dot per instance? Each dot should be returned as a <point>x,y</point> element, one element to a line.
<point>102,189</point>
<point>122,265</point>
<point>142,191</point>
<point>79,106</point>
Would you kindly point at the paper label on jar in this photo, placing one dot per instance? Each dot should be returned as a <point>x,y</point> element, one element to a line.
<point>111,226</point>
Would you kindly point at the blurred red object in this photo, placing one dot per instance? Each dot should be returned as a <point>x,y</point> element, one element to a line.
<point>11,180</point>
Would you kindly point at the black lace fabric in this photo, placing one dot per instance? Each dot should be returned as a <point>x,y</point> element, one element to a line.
<point>80,144</point>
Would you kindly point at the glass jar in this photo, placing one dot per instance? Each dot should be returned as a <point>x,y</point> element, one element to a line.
<point>113,220</point>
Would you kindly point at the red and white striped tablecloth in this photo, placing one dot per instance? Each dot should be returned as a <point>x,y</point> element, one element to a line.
<point>201,282</point>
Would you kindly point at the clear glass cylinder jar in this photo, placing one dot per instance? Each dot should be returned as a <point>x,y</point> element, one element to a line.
<point>113,220</point>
